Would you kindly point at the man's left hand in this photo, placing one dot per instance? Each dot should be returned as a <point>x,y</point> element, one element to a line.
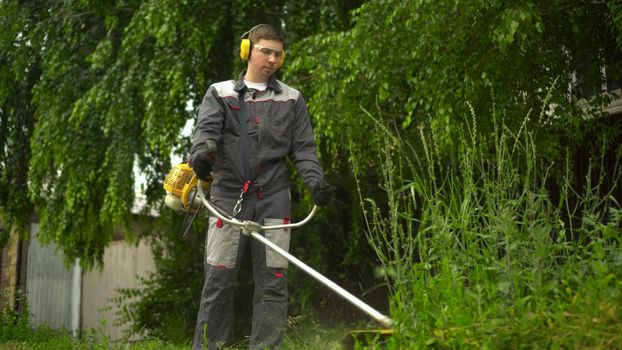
<point>322,193</point>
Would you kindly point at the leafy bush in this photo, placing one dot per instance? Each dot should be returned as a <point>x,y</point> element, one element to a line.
<point>14,324</point>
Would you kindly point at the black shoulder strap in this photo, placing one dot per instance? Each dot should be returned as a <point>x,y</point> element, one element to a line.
<point>244,147</point>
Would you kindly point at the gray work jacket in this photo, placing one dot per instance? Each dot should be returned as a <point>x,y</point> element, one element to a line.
<point>278,127</point>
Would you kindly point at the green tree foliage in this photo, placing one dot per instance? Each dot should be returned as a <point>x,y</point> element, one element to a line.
<point>19,71</point>
<point>110,85</point>
<point>415,61</point>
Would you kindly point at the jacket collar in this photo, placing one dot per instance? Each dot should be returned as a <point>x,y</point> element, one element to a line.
<point>272,83</point>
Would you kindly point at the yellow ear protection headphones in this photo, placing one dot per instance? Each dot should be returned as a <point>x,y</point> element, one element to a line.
<point>246,45</point>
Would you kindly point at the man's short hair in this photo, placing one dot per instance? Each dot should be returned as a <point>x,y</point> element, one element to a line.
<point>266,32</point>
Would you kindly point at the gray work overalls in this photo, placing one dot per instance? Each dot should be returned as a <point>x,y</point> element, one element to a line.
<point>278,129</point>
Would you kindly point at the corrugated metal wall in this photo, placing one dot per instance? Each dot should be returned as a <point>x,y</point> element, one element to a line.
<point>52,290</point>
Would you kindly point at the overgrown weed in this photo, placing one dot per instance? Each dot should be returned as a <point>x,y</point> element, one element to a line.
<point>479,255</point>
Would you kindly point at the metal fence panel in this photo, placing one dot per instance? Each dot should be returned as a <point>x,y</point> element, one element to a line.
<point>51,287</point>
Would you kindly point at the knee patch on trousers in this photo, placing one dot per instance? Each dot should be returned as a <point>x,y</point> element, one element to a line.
<point>221,244</point>
<point>281,238</point>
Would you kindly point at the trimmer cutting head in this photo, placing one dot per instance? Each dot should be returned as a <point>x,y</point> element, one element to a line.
<point>366,337</point>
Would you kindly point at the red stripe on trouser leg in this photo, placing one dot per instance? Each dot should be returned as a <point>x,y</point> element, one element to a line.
<point>278,274</point>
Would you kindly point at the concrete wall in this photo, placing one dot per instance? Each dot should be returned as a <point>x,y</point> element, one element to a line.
<point>123,263</point>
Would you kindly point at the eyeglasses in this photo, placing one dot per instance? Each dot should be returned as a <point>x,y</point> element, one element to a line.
<point>266,51</point>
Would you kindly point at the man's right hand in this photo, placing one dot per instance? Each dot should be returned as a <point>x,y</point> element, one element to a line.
<point>203,162</point>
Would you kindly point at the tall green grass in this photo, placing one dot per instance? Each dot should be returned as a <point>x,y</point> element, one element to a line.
<point>480,256</point>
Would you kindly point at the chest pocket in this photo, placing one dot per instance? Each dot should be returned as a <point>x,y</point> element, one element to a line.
<point>280,117</point>
<point>232,122</point>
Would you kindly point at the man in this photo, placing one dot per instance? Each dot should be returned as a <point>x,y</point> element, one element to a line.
<point>245,131</point>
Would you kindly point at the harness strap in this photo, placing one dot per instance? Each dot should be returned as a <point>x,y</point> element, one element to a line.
<point>244,152</point>
<point>244,147</point>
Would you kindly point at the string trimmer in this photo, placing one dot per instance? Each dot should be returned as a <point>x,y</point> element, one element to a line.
<point>182,187</point>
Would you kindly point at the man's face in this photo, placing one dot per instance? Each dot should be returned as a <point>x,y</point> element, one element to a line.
<point>264,60</point>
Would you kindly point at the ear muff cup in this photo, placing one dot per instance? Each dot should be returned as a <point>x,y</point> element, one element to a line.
<point>245,49</point>
<point>281,61</point>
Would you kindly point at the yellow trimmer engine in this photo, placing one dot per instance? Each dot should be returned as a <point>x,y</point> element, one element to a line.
<point>181,188</point>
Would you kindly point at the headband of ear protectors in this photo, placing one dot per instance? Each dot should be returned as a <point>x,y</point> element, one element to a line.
<point>246,45</point>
